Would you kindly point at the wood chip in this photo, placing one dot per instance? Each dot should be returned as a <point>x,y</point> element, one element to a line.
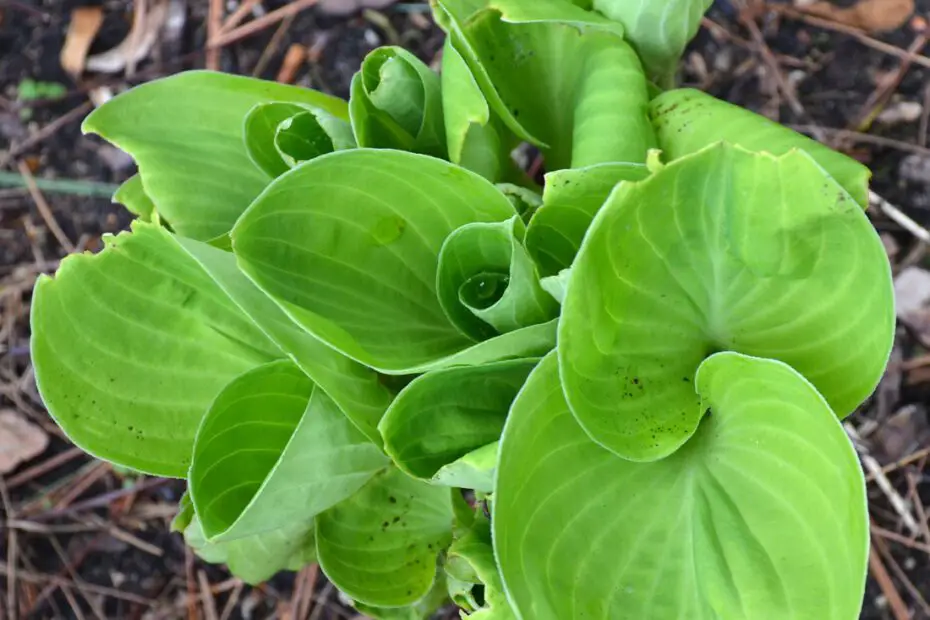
<point>869,15</point>
<point>20,440</point>
<point>85,22</point>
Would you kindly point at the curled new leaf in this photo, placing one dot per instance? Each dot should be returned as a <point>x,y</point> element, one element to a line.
<point>723,250</point>
<point>523,52</point>
<point>365,282</point>
<point>278,136</point>
<point>186,134</point>
<point>761,514</point>
<point>274,449</point>
<point>396,103</point>
<point>132,195</point>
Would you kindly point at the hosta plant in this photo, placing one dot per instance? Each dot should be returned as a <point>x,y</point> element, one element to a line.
<point>368,339</point>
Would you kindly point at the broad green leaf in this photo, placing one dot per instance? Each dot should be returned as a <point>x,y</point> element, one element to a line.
<point>487,283</point>
<point>278,136</point>
<point>474,471</point>
<point>423,609</point>
<point>356,389</point>
<point>525,201</point>
<point>186,134</point>
<point>723,250</point>
<point>445,414</point>
<point>558,76</point>
<point>761,514</point>
<point>470,562</point>
<point>658,29</point>
<point>476,138</point>
<point>688,120</point>
<point>357,266</point>
<point>557,285</point>
<point>396,103</point>
<point>571,199</point>
<point>257,558</point>
<point>380,546</point>
<point>131,345</point>
<point>132,195</point>
<point>274,449</point>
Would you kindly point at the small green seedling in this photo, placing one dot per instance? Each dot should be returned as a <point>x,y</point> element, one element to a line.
<point>31,90</point>
<point>367,339</point>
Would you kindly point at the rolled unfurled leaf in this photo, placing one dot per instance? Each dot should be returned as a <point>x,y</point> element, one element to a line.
<point>487,283</point>
<point>278,136</point>
<point>658,29</point>
<point>722,250</point>
<point>523,52</point>
<point>365,281</point>
<point>396,103</point>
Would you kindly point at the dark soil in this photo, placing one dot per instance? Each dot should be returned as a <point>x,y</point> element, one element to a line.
<point>62,540</point>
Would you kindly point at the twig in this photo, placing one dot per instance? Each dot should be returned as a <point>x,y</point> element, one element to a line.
<point>45,466</point>
<point>233,599</point>
<point>898,538</point>
<point>898,608</point>
<point>10,553</point>
<point>256,26</point>
<point>90,587</point>
<point>860,35</point>
<point>69,568</point>
<point>899,217</point>
<point>214,23</point>
<point>46,132</point>
<point>206,598</point>
<point>918,506</point>
<point>857,136</point>
<point>96,472</point>
<point>100,500</point>
<point>135,35</point>
<point>871,465</point>
<point>907,460</point>
<point>924,118</point>
<point>135,541</point>
<point>238,15</point>
<point>879,97</point>
<point>879,544</point>
<point>44,210</point>
<point>191,590</point>
<point>273,44</point>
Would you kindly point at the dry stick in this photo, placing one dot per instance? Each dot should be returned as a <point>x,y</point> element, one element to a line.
<point>879,97</point>
<point>77,580</point>
<point>898,608</point>
<point>260,24</point>
<point>872,466</point>
<point>10,553</point>
<point>858,136</point>
<point>44,210</point>
<point>44,467</point>
<point>233,599</point>
<point>135,34</point>
<point>46,132</point>
<point>273,44</point>
<point>73,603</point>
<point>206,598</point>
<point>858,34</point>
<point>97,472</point>
<point>899,217</point>
<point>214,23</point>
<point>100,500</point>
<point>90,587</point>
<point>189,575</point>
<point>238,15</point>
<point>304,609</point>
<point>924,118</point>
<point>918,506</point>
<point>902,576</point>
<point>898,538</point>
<point>907,460</point>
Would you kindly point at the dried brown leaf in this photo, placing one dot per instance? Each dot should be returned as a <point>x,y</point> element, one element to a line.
<point>870,15</point>
<point>20,440</point>
<point>85,22</point>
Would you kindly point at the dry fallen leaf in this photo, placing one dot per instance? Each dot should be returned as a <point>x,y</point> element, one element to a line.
<point>871,15</point>
<point>20,440</point>
<point>85,22</point>
<point>138,43</point>
<point>346,7</point>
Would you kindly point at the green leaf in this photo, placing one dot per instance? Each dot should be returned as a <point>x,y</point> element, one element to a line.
<point>278,136</point>
<point>445,414</point>
<point>658,29</point>
<point>724,250</point>
<point>380,546</point>
<point>257,558</point>
<point>274,449</point>
<point>474,471</point>
<point>423,609</point>
<point>761,514</point>
<point>470,561</point>
<point>688,120</point>
<point>365,283</point>
<point>396,103</point>
<point>524,52</point>
<point>186,134</point>
<point>356,389</point>
<point>571,199</point>
<point>487,283</point>
<point>132,195</point>
<point>557,285</point>
<point>477,140</point>
<point>131,345</point>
